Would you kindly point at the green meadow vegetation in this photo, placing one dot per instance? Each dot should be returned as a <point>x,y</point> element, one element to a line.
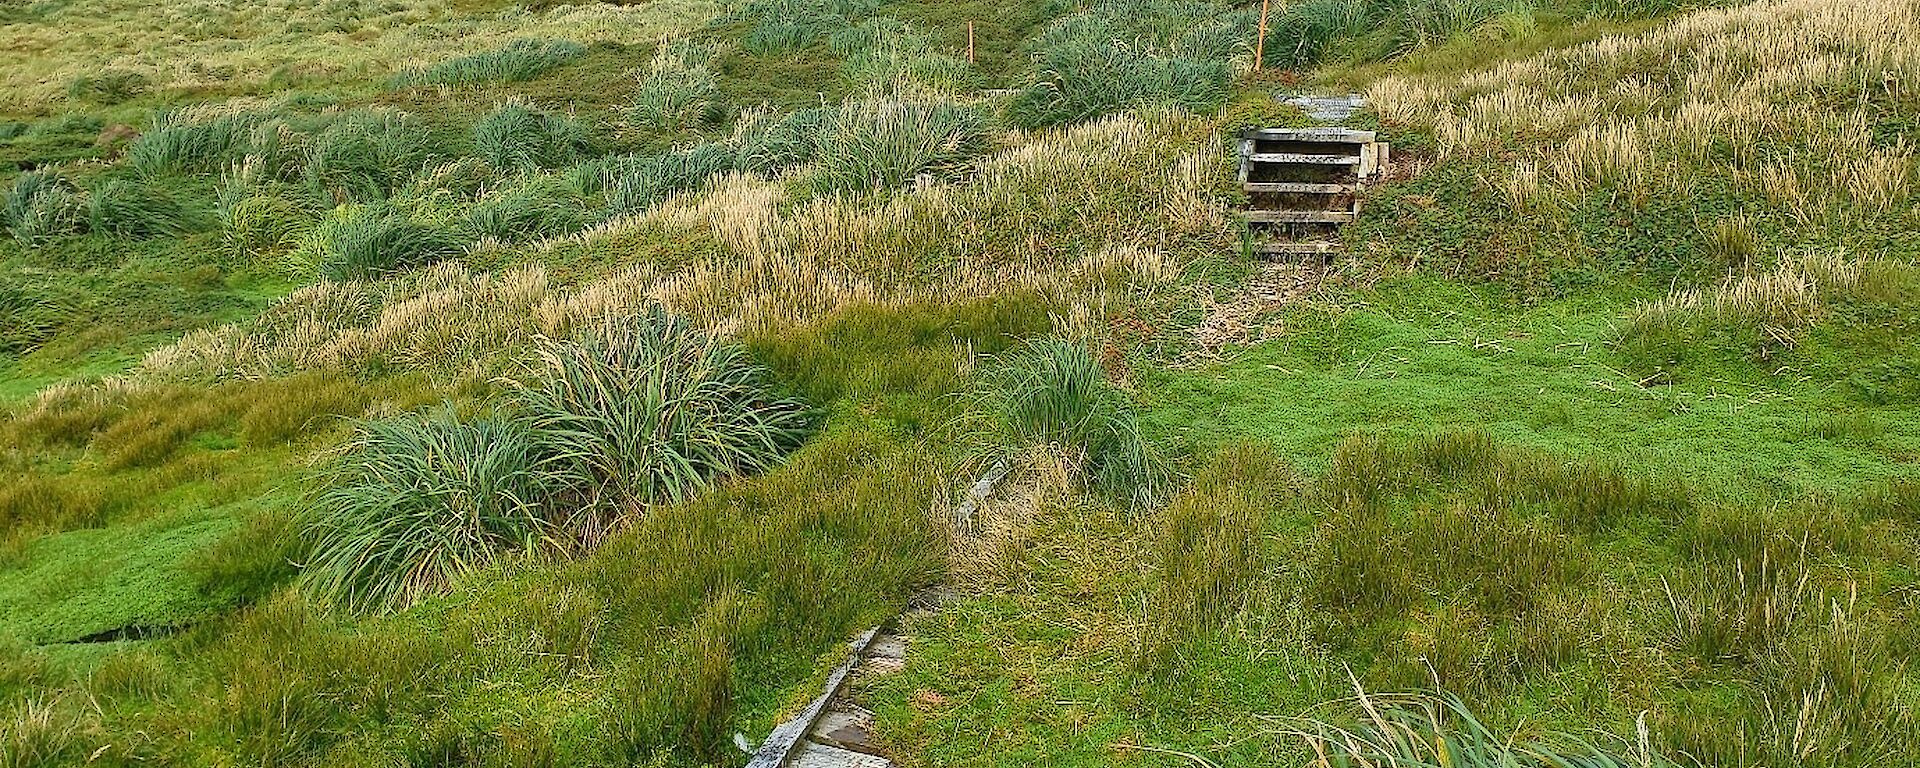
<point>464,383</point>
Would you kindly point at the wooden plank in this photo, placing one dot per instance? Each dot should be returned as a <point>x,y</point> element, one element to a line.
<point>826,756</point>
<point>1299,187</point>
<point>1318,246</point>
<point>1299,217</point>
<point>1297,158</point>
<point>780,745</point>
<point>1324,135</point>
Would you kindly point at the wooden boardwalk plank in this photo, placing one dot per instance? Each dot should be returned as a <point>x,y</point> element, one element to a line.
<point>1298,187</point>
<point>1298,158</point>
<point>1299,217</point>
<point>780,745</point>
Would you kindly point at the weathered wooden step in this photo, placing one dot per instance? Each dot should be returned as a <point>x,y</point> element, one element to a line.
<point>1304,248</point>
<point>1327,135</point>
<point>1298,187</point>
<point>1299,217</point>
<point>1300,158</point>
<point>816,755</point>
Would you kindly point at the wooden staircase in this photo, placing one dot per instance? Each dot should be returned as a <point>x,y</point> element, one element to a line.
<point>1302,184</point>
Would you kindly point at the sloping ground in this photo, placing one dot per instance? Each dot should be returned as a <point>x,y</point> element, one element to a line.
<point>1598,420</point>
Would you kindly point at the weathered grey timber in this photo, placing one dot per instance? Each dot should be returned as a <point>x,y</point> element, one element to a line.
<point>780,745</point>
<point>1303,182</point>
<point>1328,109</point>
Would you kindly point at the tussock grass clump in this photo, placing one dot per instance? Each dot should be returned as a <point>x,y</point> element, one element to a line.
<point>357,242</point>
<point>418,501</point>
<point>1209,548</point>
<point>37,731</point>
<point>133,210</point>
<point>785,25</point>
<point>1120,54</point>
<point>651,409</point>
<point>1054,391</point>
<point>635,183</point>
<point>366,156</point>
<point>767,143</point>
<point>678,92</point>
<point>183,141</point>
<point>518,136</point>
<point>1440,731</point>
<point>109,87</point>
<point>1761,313</point>
<point>533,209</point>
<point>889,56</point>
<point>33,311</point>
<point>42,205</point>
<point>519,60</point>
<point>280,410</point>
<point>884,143</point>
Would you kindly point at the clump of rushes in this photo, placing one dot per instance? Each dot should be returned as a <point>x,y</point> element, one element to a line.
<point>420,500</point>
<point>518,136</point>
<point>652,409</point>
<point>1439,731</point>
<point>516,61</point>
<point>1053,391</point>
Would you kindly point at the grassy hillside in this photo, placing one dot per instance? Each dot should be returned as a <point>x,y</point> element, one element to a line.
<point>469,384</point>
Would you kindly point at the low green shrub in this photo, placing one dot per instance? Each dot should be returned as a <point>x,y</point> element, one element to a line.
<point>1054,391</point>
<point>248,564</point>
<point>417,501</point>
<point>358,242</point>
<point>1208,549</point>
<point>881,144</point>
<point>652,410</point>
<point>514,62</point>
<point>516,136</point>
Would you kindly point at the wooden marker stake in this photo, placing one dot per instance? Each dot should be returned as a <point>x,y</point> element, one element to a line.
<point>969,42</point>
<point>1260,47</point>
